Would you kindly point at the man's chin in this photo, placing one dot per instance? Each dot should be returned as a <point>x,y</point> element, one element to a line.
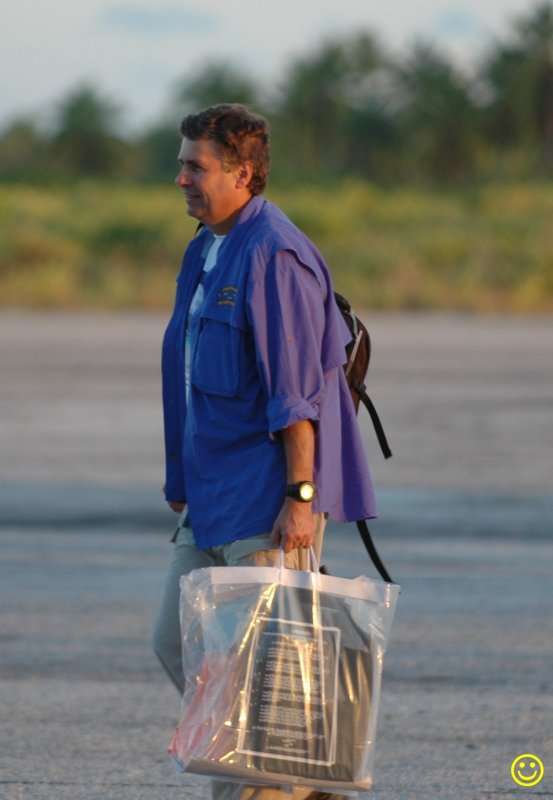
<point>197,212</point>
<point>194,212</point>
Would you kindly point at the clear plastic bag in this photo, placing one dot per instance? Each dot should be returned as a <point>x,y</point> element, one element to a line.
<point>283,672</point>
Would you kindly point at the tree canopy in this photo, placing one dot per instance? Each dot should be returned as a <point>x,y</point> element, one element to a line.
<point>345,108</point>
<point>85,137</point>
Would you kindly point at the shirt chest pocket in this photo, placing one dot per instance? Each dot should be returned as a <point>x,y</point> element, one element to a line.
<point>220,359</point>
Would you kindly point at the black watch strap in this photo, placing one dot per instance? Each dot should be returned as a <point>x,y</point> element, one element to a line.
<point>302,491</point>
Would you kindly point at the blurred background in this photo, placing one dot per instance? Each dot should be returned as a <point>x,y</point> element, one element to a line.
<point>413,142</point>
<point>418,142</point>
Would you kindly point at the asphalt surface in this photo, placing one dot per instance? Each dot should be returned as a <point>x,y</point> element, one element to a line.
<point>465,528</point>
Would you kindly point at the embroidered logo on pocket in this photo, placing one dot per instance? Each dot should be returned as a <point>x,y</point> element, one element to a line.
<point>227,296</point>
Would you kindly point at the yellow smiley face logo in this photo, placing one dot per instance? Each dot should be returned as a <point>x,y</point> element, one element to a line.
<point>527,770</point>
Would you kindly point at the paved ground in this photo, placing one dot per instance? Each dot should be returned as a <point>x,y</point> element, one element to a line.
<point>466,529</point>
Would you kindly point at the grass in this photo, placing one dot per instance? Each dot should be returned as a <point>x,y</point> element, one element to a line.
<point>115,245</point>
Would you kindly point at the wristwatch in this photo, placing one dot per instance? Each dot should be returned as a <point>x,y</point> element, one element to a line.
<point>304,491</point>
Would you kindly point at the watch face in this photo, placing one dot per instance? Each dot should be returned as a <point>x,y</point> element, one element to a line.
<point>307,491</point>
<point>303,491</point>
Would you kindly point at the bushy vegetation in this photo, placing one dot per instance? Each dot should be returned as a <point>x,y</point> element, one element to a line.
<point>113,245</point>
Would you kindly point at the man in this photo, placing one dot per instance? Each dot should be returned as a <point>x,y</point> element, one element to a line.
<point>261,438</point>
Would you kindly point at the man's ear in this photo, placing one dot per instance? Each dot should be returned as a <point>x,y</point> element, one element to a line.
<point>244,175</point>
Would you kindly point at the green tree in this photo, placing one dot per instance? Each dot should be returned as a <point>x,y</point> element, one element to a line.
<point>371,133</point>
<point>85,137</point>
<point>158,152</point>
<point>325,100</point>
<point>218,82</point>
<point>438,116</point>
<point>518,75</point>
<point>24,152</point>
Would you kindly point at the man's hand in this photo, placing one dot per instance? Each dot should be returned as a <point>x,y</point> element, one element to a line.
<point>175,506</point>
<point>294,527</point>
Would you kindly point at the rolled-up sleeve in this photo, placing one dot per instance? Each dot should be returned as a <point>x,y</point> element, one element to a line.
<point>286,312</point>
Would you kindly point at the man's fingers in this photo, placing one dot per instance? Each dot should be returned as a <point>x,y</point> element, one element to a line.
<point>297,542</point>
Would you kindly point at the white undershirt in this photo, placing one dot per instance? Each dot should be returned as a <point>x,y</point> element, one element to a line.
<point>196,306</point>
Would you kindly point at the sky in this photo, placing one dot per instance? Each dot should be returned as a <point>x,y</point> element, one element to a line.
<point>135,51</point>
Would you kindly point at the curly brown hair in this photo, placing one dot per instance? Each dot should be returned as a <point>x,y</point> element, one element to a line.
<point>240,136</point>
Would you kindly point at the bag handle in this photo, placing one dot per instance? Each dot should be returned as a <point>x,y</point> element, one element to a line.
<point>313,563</point>
<point>370,546</point>
<point>314,574</point>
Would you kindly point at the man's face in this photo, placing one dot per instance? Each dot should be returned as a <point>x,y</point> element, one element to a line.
<point>215,193</point>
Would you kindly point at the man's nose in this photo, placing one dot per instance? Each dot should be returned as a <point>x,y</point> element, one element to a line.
<point>182,178</point>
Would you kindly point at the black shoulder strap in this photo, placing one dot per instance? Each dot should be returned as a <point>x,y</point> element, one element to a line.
<point>361,390</point>
<point>363,529</point>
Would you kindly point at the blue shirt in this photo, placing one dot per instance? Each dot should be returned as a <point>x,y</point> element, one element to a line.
<point>269,352</point>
